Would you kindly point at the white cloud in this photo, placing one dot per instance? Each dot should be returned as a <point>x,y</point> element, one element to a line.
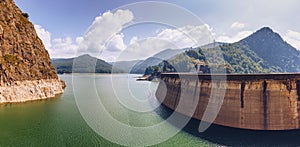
<point>63,48</point>
<point>142,49</point>
<point>102,35</point>
<point>57,48</point>
<point>293,38</point>
<point>133,40</point>
<point>187,36</point>
<point>116,43</point>
<point>234,38</point>
<point>184,37</point>
<point>237,25</point>
<point>104,30</point>
<point>44,35</point>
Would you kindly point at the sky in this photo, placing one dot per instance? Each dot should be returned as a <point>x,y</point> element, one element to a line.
<point>115,30</point>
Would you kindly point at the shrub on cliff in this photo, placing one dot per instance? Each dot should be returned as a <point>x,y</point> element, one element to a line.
<point>25,15</point>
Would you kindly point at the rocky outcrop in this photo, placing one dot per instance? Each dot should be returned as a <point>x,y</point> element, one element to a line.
<point>24,61</point>
<point>22,91</point>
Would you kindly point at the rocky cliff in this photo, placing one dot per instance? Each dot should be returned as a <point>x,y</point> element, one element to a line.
<point>26,71</point>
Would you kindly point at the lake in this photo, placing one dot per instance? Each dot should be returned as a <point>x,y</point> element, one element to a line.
<point>58,121</point>
<point>109,110</point>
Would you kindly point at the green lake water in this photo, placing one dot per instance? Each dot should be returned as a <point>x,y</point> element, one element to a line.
<point>74,119</point>
<point>58,121</point>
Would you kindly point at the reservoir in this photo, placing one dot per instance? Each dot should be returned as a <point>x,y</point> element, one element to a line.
<point>66,119</point>
<point>58,121</point>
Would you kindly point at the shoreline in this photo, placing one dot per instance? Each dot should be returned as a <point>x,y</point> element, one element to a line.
<point>24,91</point>
<point>33,100</point>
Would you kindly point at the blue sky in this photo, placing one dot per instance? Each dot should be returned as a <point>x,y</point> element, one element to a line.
<point>70,28</point>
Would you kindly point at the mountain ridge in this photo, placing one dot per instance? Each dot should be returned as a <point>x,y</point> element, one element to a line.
<point>264,51</point>
<point>83,64</point>
<point>139,68</point>
<point>270,46</point>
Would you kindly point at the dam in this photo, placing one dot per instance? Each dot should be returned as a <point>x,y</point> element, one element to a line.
<point>246,101</point>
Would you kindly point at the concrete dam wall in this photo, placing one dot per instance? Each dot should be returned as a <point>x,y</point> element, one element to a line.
<point>254,101</point>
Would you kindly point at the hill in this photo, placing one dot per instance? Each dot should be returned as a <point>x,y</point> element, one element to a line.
<point>139,67</point>
<point>126,66</point>
<point>269,46</point>
<point>262,52</point>
<point>83,64</point>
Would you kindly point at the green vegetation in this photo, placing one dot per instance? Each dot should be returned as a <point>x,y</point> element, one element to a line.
<point>269,46</point>
<point>139,67</point>
<point>262,52</point>
<point>233,58</point>
<point>83,64</point>
<point>10,59</point>
<point>25,15</point>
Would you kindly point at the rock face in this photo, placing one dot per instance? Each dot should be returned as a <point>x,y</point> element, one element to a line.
<point>26,71</point>
<point>255,101</point>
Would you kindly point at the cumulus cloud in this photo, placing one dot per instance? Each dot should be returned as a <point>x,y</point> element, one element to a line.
<point>178,38</point>
<point>58,47</point>
<point>144,48</point>
<point>133,40</point>
<point>102,35</point>
<point>293,38</point>
<point>104,30</point>
<point>104,40</point>
<point>235,38</point>
<point>63,47</point>
<point>44,35</point>
<point>237,25</point>
<point>116,43</point>
<point>187,36</point>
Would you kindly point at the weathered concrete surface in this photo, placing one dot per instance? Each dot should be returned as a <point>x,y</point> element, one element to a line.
<point>256,101</point>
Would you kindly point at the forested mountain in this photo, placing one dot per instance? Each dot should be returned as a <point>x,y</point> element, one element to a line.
<point>262,52</point>
<point>139,68</point>
<point>83,64</point>
<point>126,66</point>
<point>269,46</point>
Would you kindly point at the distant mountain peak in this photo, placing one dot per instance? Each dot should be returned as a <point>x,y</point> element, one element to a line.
<point>264,35</point>
<point>270,46</point>
<point>83,64</point>
<point>86,55</point>
<point>266,32</point>
<point>265,29</point>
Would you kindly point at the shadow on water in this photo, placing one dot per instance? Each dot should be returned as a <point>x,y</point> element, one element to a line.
<point>235,137</point>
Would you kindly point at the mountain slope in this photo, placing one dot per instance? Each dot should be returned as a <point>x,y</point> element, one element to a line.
<point>126,66</point>
<point>262,52</point>
<point>139,68</point>
<point>83,64</point>
<point>269,46</point>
